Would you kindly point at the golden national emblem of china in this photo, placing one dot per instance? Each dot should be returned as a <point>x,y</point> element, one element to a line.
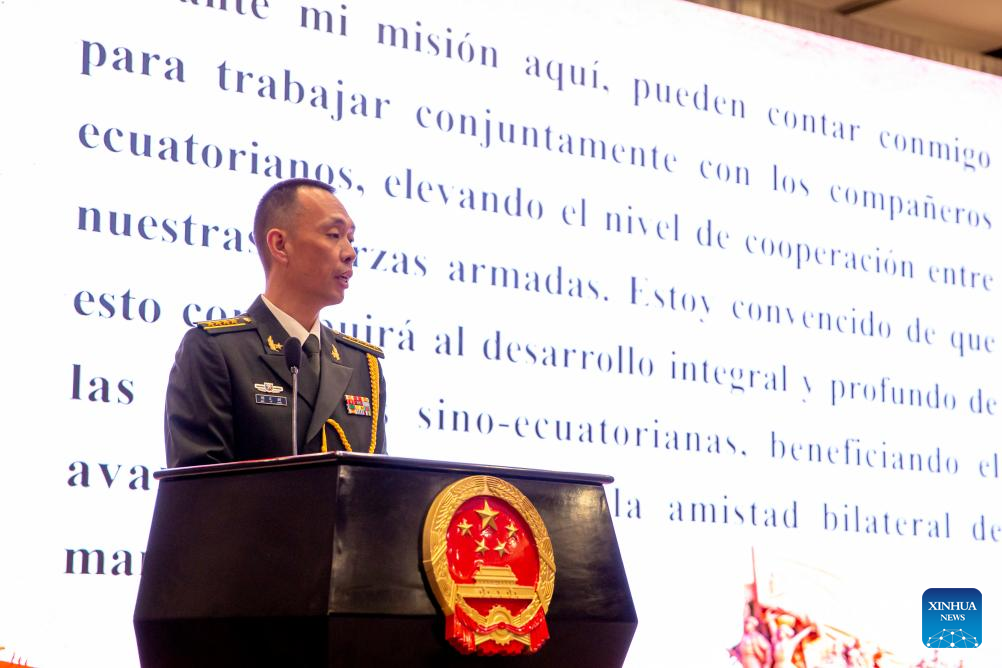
<point>490,563</point>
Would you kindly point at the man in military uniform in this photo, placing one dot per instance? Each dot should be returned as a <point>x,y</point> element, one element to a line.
<point>230,391</point>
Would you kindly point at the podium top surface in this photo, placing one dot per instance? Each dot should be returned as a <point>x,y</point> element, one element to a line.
<point>341,458</point>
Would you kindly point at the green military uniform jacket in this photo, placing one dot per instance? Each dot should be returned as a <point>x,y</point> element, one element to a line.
<point>230,392</point>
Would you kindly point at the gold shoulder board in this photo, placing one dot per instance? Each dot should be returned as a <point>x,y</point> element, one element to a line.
<point>365,346</point>
<point>225,325</point>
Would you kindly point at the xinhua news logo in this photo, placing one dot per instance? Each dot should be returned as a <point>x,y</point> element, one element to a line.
<point>951,618</point>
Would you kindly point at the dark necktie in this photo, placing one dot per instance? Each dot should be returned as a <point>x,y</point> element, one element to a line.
<point>312,348</point>
<point>309,375</point>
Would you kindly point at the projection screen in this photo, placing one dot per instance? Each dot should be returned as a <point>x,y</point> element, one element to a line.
<point>748,270</point>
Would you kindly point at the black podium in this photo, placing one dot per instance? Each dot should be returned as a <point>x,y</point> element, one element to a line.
<point>316,561</point>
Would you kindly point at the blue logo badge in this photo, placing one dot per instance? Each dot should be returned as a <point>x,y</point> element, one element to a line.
<point>951,618</point>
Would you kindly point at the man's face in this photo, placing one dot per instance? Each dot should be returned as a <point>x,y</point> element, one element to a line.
<point>319,247</point>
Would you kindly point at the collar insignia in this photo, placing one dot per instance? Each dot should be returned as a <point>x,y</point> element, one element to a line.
<point>335,355</point>
<point>274,346</point>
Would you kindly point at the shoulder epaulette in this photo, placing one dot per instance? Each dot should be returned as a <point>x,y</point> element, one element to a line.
<point>364,346</point>
<point>226,324</point>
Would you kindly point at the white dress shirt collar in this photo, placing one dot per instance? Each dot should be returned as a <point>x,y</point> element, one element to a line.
<point>290,324</point>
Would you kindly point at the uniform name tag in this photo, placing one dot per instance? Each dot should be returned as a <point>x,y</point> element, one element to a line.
<point>271,400</point>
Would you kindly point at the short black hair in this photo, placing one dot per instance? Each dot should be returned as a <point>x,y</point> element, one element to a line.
<point>275,206</point>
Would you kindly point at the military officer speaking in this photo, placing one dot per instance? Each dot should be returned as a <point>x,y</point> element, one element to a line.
<point>230,391</point>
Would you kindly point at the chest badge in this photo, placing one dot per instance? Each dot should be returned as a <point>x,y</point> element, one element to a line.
<point>270,388</point>
<point>357,405</point>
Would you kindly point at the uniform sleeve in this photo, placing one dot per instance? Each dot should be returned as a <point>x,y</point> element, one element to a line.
<point>381,435</point>
<point>198,418</point>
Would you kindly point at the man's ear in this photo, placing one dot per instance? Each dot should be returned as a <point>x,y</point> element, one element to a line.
<point>276,239</point>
